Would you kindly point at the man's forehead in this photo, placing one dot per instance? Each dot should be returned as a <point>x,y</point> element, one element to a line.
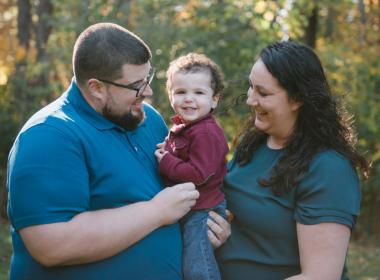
<point>133,73</point>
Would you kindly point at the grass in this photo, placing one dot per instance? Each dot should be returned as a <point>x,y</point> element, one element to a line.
<point>364,260</point>
<point>363,257</point>
<point>5,249</point>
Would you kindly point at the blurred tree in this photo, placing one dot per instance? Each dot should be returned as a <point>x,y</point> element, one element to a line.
<point>310,35</point>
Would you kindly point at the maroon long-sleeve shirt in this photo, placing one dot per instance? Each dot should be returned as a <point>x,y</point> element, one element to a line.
<point>197,153</point>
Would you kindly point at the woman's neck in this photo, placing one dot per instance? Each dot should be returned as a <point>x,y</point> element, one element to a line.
<point>276,143</point>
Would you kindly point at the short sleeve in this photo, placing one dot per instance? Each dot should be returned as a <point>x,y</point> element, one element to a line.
<point>329,193</point>
<point>47,177</point>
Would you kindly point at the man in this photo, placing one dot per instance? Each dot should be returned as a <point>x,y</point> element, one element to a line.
<point>85,197</point>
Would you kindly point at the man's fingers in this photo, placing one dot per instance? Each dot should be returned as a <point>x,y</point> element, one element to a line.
<point>188,190</point>
<point>185,186</point>
<point>194,194</point>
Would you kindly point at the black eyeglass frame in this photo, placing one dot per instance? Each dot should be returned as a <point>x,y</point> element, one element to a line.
<point>130,86</point>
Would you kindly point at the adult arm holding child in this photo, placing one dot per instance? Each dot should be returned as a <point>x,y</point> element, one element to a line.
<point>104,233</point>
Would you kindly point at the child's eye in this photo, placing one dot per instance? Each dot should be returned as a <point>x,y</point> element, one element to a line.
<point>199,92</point>
<point>180,92</point>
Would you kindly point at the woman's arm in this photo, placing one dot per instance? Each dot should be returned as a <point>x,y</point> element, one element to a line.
<point>322,249</point>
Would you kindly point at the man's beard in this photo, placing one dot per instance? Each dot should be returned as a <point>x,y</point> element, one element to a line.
<point>128,121</point>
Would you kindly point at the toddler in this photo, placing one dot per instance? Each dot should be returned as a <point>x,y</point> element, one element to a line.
<point>195,151</point>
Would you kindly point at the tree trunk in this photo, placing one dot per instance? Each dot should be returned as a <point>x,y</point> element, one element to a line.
<point>310,36</point>
<point>378,19</point>
<point>21,87</point>
<point>42,33</point>
<point>43,27</point>
<point>24,23</point>
<point>120,6</point>
<point>331,13</point>
<point>3,197</point>
<point>362,38</point>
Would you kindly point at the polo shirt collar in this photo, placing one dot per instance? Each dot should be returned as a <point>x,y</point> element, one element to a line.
<point>88,113</point>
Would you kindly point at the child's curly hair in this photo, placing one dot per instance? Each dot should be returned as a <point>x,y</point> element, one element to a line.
<point>193,63</point>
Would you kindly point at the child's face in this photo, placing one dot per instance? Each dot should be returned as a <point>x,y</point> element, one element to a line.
<point>191,95</point>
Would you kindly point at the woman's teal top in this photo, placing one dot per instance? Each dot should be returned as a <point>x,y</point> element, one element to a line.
<point>263,243</point>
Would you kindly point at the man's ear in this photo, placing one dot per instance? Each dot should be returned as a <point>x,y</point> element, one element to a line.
<point>96,89</point>
<point>215,100</point>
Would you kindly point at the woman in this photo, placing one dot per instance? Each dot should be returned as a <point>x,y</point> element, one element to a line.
<point>292,184</point>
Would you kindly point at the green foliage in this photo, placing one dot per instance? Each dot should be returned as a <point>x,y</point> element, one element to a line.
<point>7,128</point>
<point>363,261</point>
<point>5,245</point>
<point>355,76</point>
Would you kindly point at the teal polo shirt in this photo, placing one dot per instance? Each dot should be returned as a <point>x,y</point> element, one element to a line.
<point>263,242</point>
<point>69,159</point>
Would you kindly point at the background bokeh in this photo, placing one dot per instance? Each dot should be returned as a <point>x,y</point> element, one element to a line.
<point>37,38</point>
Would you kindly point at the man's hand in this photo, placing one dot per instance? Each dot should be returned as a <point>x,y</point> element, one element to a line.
<point>173,203</point>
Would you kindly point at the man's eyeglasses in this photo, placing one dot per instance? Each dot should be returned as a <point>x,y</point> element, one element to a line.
<point>139,89</point>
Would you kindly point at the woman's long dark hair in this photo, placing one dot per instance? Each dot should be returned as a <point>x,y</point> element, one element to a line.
<point>322,122</point>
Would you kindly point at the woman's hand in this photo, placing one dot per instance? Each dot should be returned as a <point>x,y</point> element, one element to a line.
<point>219,228</point>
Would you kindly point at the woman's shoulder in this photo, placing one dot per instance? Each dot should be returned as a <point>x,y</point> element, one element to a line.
<point>330,191</point>
<point>330,171</point>
<point>330,160</point>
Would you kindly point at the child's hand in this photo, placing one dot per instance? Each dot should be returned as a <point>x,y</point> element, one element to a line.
<point>161,145</point>
<point>160,153</point>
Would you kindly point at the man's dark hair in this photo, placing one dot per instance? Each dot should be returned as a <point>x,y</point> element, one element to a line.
<point>102,49</point>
